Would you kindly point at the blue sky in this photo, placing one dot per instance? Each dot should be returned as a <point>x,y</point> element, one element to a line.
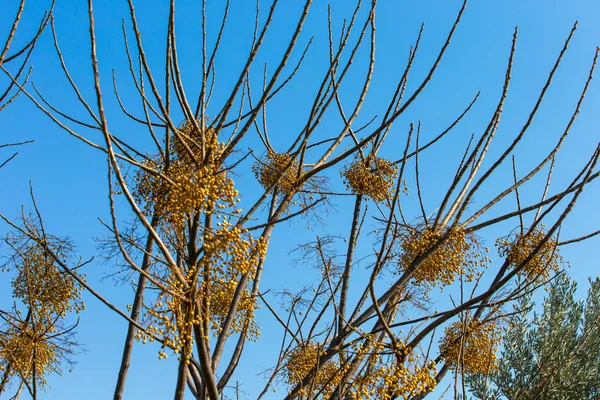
<point>69,178</point>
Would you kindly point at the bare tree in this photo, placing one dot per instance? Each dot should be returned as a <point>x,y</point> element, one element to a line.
<point>10,88</point>
<point>199,258</point>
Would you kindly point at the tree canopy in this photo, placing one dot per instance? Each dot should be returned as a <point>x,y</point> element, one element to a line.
<point>309,192</point>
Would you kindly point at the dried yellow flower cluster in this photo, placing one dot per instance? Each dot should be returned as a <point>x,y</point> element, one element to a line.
<point>302,360</point>
<point>460,253</point>
<point>471,346</point>
<point>268,170</point>
<point>516,248</point>
<point>371,176</point>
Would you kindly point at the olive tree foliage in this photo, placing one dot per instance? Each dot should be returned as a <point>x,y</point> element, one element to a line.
<point>554,354</point>
<point>198,258</point>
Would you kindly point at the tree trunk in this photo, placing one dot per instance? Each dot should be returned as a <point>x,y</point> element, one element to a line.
<point>135,314</point>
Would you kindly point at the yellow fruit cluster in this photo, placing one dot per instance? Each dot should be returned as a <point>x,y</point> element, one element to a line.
<point>32,345</point>
<point>226,252</point>
<point>460,253</point>
<point>195,142</point>
<point>229,253</point>
<point>23,345</point>
<point>42,285</point>
<point>274,165</point>
<point>371,176</point>
<point>384,377</point>
<point>471,346</point>
<point>302,360</point>
<point>192,185</point>
<point>395,381</point>
<point>516,248</point>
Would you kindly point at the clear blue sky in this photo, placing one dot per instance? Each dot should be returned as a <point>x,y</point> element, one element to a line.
<point>69,178</point>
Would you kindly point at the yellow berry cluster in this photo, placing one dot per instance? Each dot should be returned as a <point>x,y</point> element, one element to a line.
<point>384,378</point>
<point>371,176</point>
<point>395,381</point>
<point>229,253</point>
<point>21,345</point>
<point>195,141</point>
<point>302,360</point>
<point>274,165</point>
<point>460,253</point>
<point>31,345</point>
<point>192,185</point>
<point>200,189</point>
<point>41,284</point>
<point>471,346</point>
<point>517,247</point>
